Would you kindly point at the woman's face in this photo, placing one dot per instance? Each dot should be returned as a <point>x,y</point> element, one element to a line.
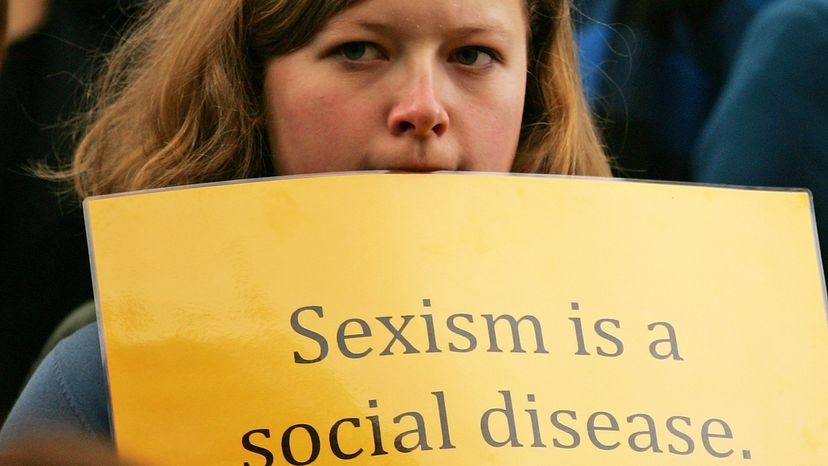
<point>409,85</point>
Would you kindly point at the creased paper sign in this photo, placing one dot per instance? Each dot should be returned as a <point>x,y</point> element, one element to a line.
<point>410,319</point>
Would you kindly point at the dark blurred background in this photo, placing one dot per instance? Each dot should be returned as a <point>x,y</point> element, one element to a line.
<point>54,48</point>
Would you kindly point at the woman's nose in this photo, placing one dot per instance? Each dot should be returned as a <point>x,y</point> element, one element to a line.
<point>418,109</point>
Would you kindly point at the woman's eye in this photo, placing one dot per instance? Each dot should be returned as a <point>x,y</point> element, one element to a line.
<point>474,56</point>
<point>359,51</point>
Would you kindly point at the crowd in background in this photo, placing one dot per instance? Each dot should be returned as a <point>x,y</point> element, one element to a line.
<point>712,91</point>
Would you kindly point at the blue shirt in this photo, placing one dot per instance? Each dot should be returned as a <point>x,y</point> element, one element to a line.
<point>68,391</point>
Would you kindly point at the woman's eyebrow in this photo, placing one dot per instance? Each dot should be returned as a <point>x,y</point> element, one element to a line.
<point>490,30</point>
<point>380,27</point>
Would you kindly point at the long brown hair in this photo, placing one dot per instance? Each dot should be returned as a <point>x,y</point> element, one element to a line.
<point>180,100</point>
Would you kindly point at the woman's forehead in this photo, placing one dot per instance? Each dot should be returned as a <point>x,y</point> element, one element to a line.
<point>502,16</point>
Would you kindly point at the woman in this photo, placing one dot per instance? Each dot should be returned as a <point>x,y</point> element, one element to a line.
<point>227,89</point>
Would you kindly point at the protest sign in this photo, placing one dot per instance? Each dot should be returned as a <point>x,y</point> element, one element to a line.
<point>410,319</point>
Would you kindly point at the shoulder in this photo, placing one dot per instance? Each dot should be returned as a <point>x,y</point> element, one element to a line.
<point>767,127</point>
<point>816,10</point>
<point>786,23</point>
<point>779,74</point>
<point>66,392</point>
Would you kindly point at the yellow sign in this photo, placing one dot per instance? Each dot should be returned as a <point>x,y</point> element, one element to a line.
<point>449,319</point>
